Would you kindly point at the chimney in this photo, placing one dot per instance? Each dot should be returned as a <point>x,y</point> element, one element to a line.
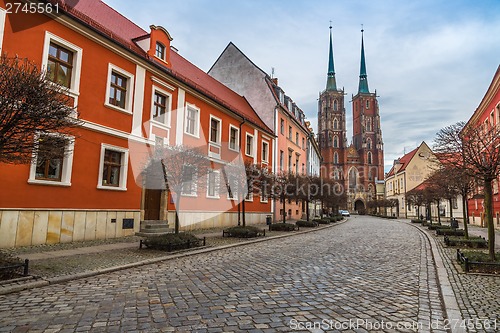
<point>275,80</point>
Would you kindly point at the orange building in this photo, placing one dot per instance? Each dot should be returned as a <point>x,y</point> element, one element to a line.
<point>133,92</point>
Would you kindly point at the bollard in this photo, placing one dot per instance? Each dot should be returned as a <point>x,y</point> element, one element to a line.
<point>26,265</point>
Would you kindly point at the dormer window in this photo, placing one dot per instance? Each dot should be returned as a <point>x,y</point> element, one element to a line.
<point>160,51</point>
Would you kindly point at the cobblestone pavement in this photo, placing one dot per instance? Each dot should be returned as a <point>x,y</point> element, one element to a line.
<point>367,275</point>
<point>478,296</point>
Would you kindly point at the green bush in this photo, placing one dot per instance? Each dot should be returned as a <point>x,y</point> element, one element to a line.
<point>282,227</point>
<point>438,226</point>
<point>450,232</point>
<point>244,232</point>
<point>172,242</point>
<point>306,224</point>
<point>322,221</point>
<point>417,221</point>
<point>471,242</point>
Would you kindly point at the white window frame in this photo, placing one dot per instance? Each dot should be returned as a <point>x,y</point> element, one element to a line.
<point>168,112</point>
<point>265,157</point>
<point>194,188</point>
<point>216,184</point>
<point>74,88</point>
<point>252,148</point>
<point>237,147</point>
<point>67,167</point>
<point>122,184</point>
<point>196,133</point>
<point>130,90</point>
<point>219,131</point>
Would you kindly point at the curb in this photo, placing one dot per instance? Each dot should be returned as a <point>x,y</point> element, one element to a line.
<point>71,277</point>
<point>451,308</point>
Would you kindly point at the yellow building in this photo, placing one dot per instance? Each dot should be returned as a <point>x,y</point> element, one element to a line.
<point>407,173</point>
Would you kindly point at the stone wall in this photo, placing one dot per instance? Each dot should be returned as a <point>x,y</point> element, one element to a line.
<point>35,227</point>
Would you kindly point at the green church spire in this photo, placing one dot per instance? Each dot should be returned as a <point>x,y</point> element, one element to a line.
<point>363,79</point>
<point>331,84</point>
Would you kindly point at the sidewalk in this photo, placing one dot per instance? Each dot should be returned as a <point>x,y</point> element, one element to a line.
<point>475,230</point>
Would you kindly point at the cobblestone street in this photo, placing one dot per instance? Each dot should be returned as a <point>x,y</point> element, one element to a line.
<point>364,275</point>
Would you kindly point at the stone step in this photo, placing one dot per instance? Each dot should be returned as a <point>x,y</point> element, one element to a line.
<point>154,226</point>
<point>154,222</point>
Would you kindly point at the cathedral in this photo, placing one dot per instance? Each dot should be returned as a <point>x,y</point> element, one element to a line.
<point>359,165</point>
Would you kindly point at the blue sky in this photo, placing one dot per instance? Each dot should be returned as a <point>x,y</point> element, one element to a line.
<point>430,61</point>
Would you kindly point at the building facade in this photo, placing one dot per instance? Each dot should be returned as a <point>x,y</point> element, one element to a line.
<point>277,110</point>
<point>360,164</point>
<point>133,92</point>
<point>486,115</point>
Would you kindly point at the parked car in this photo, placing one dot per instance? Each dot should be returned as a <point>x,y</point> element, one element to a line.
<point>344,213</point>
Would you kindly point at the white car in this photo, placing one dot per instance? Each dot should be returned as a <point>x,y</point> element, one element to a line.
<point>344,213</point>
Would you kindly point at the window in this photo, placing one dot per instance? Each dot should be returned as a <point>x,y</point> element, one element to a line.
<point>297,138</point>
<point>335,105</point>
<point>249,146</point>
<point>235,185</point>
<point>303,143</point>
<point>213,184</point>
<point>335,124</point>
<point>119,89</point>
<point>161,107</point>
<point>234,138</point>
<point>265,151</point>
<point>335,158</point>
<point>369,158</point>
<point>303,169</point>
<point>53,160</point>
<point>189,180</point>
<point>369,143</point>
<point>60,65</point>
<point>49,163</point>
<point>281,160</point>
<point>215,126</point>
<point>249,196</point>
<point>289,162</point>
<point>297,166</point>
<point>290,132</point>
<point>160,51</point>
<point>113,168</point>
<point>367,104</point>
<point>192,121</point>
<point>335,142</point>
<point>282,126</point>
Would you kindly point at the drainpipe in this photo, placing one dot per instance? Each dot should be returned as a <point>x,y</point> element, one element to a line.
<point>240,144</point>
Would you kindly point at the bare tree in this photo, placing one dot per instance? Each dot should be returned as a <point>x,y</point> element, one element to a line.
<point>181,170</point>
<point>32,110</point>
<point>478,148</point>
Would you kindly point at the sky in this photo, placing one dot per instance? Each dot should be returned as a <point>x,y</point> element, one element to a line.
<point>430,61</point>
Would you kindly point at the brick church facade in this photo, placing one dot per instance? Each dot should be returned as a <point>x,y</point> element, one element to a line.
<point>358,165</point>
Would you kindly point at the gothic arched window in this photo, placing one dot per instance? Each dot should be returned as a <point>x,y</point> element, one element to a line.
<point>335,105</point>
<point>335,142</point>
<point>335,158</point>
<point>335,124</point>
<point>353,178</point>
<point>369,158</point>
<point>369,143</point>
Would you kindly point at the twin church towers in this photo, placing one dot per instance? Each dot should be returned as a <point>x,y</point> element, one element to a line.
<point>360,164</point>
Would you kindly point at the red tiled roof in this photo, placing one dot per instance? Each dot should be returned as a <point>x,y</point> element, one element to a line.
<point>404,161</point>
<point>117,27</point>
